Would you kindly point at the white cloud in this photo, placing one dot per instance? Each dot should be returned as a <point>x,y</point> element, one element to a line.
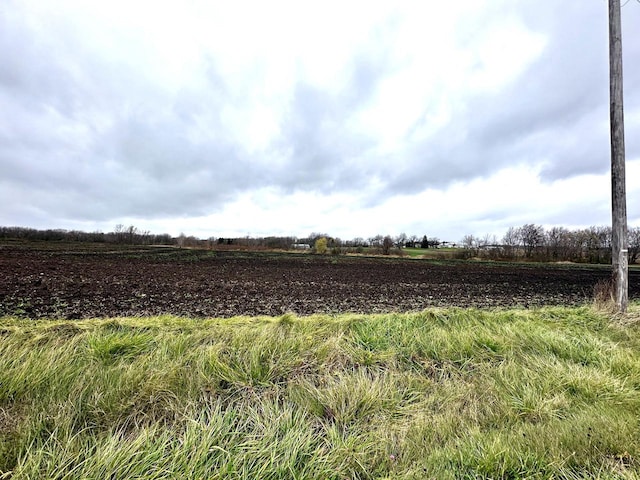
<point>283,117</point>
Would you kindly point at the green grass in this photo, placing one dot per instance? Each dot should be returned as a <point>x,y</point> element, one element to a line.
<point>435,253</point>
<point>542,394</point>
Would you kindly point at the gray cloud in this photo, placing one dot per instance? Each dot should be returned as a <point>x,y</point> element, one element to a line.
<point>88,134</point>
<point>105,142</point>
<point>555,114</point>
<point>121,140</point>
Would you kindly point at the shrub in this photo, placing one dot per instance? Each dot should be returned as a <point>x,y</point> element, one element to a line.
<point>321,245</point>
<point>387,244</point>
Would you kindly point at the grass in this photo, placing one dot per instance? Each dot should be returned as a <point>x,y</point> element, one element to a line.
<point>468,394</point>
<point>436,253</point>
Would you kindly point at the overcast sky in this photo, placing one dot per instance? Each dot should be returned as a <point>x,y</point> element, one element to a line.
<point>352,118</point>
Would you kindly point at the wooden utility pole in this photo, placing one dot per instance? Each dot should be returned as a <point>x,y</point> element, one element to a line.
<point>619,241</point>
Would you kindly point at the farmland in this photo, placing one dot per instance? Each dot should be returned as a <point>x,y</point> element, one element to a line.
<point>162,363</point>
<point>75,281</point>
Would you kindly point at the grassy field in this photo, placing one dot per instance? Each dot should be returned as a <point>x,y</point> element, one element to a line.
<point>547,393</point>
<point>437,253</point>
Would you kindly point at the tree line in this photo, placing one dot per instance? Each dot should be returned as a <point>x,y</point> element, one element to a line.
<point>528,242</point>
<point>535,243</point>
<point>130,235</point>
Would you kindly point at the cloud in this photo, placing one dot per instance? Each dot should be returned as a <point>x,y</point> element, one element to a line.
<point>553,112</point>
<point>168,111</point>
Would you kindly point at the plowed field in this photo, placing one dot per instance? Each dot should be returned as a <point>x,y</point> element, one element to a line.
<point>41,280</point>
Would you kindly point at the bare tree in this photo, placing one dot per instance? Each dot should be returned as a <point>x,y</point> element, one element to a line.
<point>358,242</point>
<point>488,240</point>
<point>558,240</point>
<point>376,241</point>
<point>131,233</point>
<point>120,233</point>
<point>634,244</point>
<point>401,240</point>
<point>532,237</point>
<point>182,238</point>
<point>469,242</point>
<point>511,242</point>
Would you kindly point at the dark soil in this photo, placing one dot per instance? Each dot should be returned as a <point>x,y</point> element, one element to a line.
<point>41,280</point>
